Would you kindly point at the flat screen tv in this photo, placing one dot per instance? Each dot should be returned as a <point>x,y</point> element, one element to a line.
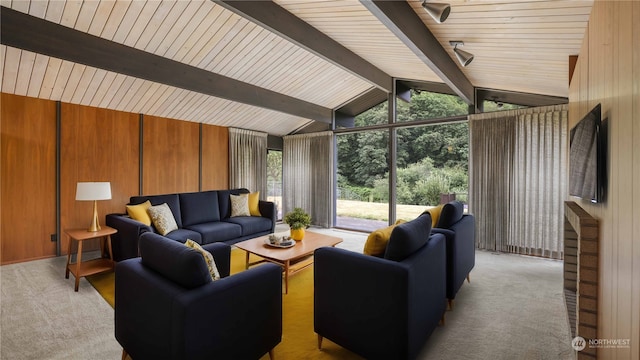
<point>587,157</point>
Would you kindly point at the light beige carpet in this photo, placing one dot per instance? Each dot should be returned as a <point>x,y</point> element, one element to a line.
<point>512,309</point>
<point>43,318</point>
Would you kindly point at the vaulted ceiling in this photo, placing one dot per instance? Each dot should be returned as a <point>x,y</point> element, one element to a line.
<point>277,66</point>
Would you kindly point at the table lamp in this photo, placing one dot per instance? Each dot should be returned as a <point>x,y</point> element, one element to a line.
<point>93,191</point>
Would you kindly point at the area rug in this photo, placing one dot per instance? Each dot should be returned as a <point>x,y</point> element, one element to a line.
<point>299,341</point>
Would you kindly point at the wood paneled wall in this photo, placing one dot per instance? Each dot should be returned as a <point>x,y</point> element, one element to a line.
<point>170,156</point>
<point>608,72</point>
<point>95,145</point>
<point>215,157</point>
<point>28,195</point>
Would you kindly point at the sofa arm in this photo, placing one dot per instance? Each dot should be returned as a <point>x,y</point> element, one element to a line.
<point>124,243</point>
<point>157,319</point>
<point>268,209</point>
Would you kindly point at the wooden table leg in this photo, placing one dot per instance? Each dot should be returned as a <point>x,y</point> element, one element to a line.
<point>78,261</point>
<point>102,239</point>
<point>109,247</point>
<point>246,261</point>
<point>66,273</point>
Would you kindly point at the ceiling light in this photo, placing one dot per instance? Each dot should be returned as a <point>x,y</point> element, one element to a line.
<point>464,57</point>
<point>438,11</point>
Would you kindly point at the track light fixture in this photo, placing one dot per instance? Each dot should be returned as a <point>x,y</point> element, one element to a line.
<point>464,57</point>
<point>438,11</point>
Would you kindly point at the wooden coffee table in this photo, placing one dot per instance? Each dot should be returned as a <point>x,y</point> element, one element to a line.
<point>293,259</point>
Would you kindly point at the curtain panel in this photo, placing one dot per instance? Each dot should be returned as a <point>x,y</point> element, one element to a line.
<point>518,183</point>
<point>248,160</point>
<point>307,175</point>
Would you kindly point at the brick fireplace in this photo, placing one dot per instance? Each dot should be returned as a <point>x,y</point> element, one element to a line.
<point>581,274</point>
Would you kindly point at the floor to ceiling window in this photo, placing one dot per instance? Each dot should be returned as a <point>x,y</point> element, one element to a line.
<point>274,180</point>
<point>431,161</point>
<point>432,167</point>
<point>362,204</point>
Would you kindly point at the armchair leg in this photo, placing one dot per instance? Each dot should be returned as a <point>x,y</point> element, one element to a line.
<point>450,303</point>
<point>124,354</point>
<point>271,355</point>
<point>442,322</point>
<point>468,279</point>
<point>319,342</point>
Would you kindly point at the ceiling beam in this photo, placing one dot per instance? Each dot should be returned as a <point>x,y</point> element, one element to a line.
<point>278,20</point>
<point>518,98</point>
<point>429,86</point>
<point>401,19</point>
<point>30,33</point>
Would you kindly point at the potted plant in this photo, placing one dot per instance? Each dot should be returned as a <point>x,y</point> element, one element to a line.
<point>298,220</point>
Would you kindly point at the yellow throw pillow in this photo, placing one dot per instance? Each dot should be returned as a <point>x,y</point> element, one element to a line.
<point>208,258</point>
<point>377,241</point>
<point>240,205</point>
<point>435,214</point>
<point>139,212</point>
<point>254,198</point>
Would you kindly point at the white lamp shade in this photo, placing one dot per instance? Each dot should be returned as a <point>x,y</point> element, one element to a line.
<point>93,191</point>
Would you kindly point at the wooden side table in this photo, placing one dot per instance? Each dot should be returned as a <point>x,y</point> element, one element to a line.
<point>95,266</point>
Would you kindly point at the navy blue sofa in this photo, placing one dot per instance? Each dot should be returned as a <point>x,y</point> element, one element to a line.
<point>203,217</point>
<point>167,306</point>
<point>459,231</point>
<point>382,308</point>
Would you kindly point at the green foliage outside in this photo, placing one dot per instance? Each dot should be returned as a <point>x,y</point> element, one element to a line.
<point>274,167</point>
<point>431,160</point>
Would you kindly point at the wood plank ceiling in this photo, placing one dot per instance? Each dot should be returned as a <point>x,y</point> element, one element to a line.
<point>518,46</point>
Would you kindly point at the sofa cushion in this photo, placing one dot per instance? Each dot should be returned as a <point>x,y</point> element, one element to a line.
<point>173,260</point>
<point>162,218</point>
<point>182,235</point>
<point>451,213</point>
<point>139,212</point>
<point>208,258</point>
<point>199,207</point>
<point>408,237</point>
<point>251,224</point>
<point>217,231</point>
<point>170,199</point>
<point>377,241</point>
<point>240,205</point>
<point>254,200</point>
<point>225,202</point>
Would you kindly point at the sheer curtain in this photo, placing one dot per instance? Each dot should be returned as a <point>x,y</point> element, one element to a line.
<point>248,160</point>
<point>518,179</point>
<point>307,175</point>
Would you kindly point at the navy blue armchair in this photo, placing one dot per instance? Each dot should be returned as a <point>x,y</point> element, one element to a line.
<point>382,308</point>
<point>459,231</point>
<point>168,307</point>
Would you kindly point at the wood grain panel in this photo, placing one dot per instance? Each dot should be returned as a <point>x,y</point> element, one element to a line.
<point>96,145</point>
<point>171,155</point>
<point>215,157</point>
<point>635,75</point>
<point>622,84</point>
<point>28,178</point>
<point>608,67</point>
